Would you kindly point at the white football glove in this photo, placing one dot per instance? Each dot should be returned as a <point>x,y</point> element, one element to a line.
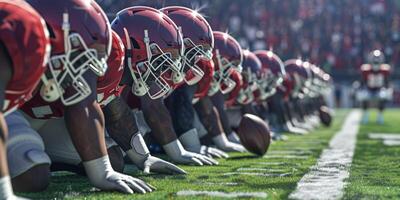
<point>6,191</point>
<point>140,155</point>
<point>101,175</point>
<point>223,143</point>
<point>233,137</point>
<point>212,152</point>
<point>190,140</point>
<point>179,155</point>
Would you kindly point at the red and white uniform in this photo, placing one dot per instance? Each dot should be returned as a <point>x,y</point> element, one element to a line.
<point>42,136</point>
<point>107,88</point>
<point>24,35</point>
<point>374,83</point>
<point>375,79</point>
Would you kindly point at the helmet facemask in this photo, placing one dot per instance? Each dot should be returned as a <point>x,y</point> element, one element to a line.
<point>193,53</point>
<point>267,83</point>
<point>246,94</point>
<point>222,76</point>
<point>155,71</point>
<point>67,70</point>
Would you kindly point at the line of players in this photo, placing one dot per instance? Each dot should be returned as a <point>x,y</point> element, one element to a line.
<point>76,89</point>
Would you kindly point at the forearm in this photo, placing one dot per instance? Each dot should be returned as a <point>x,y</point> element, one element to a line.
<point>209,116</point>
<point>159,121</point>
<point>3,132</point>
<point>120,123</point>
<point>219,103</point>
<point>85,123</point>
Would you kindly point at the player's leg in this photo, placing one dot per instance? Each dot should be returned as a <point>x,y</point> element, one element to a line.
<point>381,108</point>
<point>27,160</point>
<point>365,106</point>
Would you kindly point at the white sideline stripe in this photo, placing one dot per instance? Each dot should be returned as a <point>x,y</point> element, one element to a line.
<point>386,136</point>
<point>223,194</point>
<point>326,179</point>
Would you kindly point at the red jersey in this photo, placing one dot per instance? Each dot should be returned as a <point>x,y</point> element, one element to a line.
<point>24,35</point>
<point>375,79</point>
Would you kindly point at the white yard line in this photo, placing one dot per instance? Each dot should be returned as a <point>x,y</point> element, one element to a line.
<point>287,156</point>
<point>223,194</point>
<point>326,179</point>
<point>384,136</point>
<point>257,174</point>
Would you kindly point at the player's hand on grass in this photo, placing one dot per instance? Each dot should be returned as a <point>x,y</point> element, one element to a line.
<point>154,164</point>
<point>213,152</point>
<point>179,155</point>
<point>141,157</point>
<point>191,142</point>
<point>101,175</point>
<point>224,144</point>
<point>233,137</point>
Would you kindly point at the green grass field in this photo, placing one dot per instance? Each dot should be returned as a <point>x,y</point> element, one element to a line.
<point>375,172</point>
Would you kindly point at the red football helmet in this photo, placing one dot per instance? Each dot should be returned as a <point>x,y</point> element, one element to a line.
<point>207,66</point>
<point>80,38</point>
<point>376,58</point>
<point>233,95</point>
<point>198,40</point>
<point>296,76</point>
<point>25,37</point>
<point>108,85</point>
<point>272,73</point>
<point>154,48</point>
<point>227,56</point>
<point>251,73</point>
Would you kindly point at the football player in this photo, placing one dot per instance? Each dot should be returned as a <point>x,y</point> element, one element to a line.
<point>154,47</point>
<point>269,102</point>
<point>24,51</point>
<point>227,58</point>
<point>375,85</point>
<point>120,125</point>
<point>240,100</point>
<point>198,40</point>
<point>80,38</point>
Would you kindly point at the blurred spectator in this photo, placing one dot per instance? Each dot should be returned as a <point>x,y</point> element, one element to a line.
<point>337,34</point>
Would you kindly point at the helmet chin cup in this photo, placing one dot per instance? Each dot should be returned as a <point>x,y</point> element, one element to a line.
<point>49,91</point>
<point>177,77</point>
<point>214,88</point>
<point>230,85</point>
<point>139,88</point>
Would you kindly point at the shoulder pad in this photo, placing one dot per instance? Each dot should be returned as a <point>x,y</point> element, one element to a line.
<point>365,67</point>
<point>385,67</point>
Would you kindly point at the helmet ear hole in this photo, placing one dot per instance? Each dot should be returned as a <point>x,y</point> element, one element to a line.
<point>134,43</point>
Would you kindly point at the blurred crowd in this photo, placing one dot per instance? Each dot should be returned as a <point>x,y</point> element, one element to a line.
<point>336,34</point>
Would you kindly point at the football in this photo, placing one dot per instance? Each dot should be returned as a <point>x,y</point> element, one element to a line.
<point>254,134</point>
<point>325,116</point>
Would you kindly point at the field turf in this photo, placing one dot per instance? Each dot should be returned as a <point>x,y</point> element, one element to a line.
<point>375,173</point>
